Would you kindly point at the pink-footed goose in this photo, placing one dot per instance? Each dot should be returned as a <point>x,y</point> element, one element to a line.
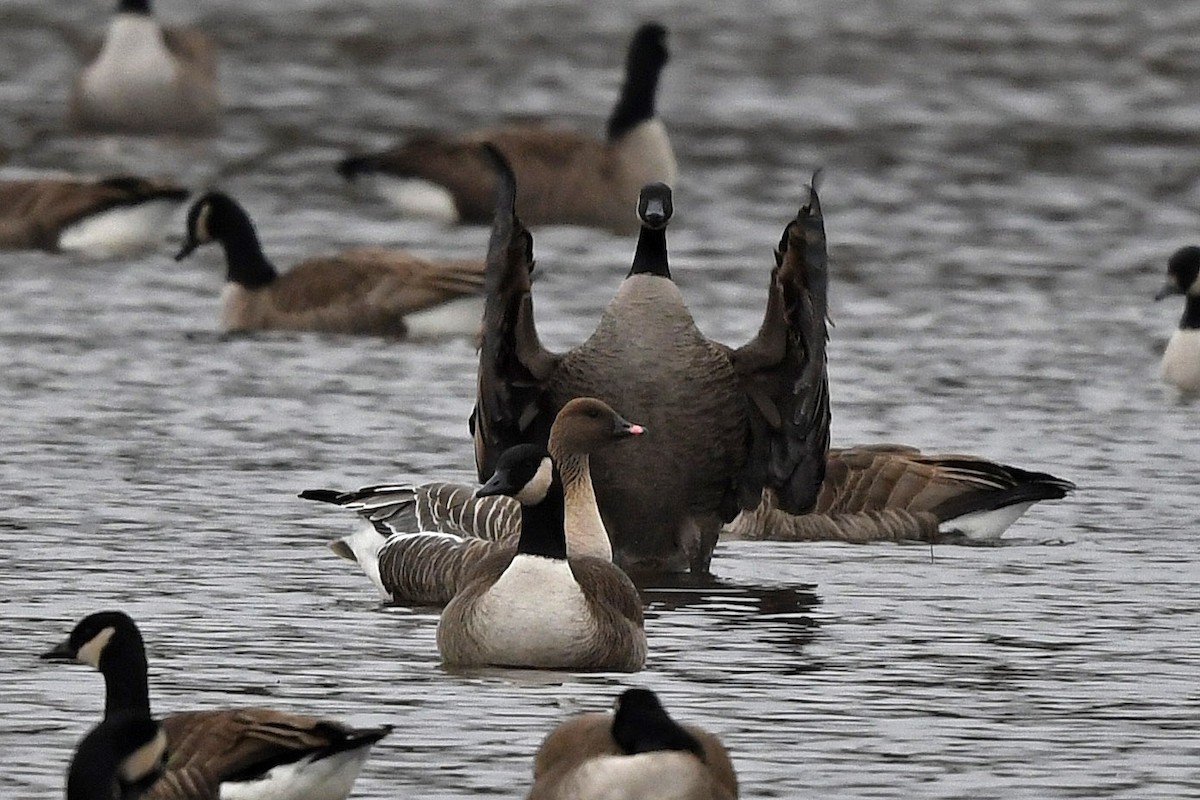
<point>725,424</point>
<point>564,176</point>
<point>425,566</point>
<point>635,753</point>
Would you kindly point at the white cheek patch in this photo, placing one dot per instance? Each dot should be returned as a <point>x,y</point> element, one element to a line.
<point>201,232</point>
<point>535,491</point>
<point>90,652</point>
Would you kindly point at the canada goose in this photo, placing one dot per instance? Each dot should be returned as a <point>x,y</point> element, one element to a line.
<point>104,218</point>
<point>564,177</point>
<point>636,753</point>
<point>148,79</point>
<point>535,607</point>
<point>1181,361</point>
<point>122,757</point>
<point>889,492</point>
<point>424,566</point>
<point>366,290</point>
<point>871,493</point>
<point>250,752</point>
<point>727,423</point>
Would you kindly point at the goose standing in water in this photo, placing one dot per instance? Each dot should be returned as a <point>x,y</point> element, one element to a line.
<point>364,291</point>
<point>1181,361</point>
<point>535,607</point>
<point>249,753</point>
<point>636,753</point>
<point>728,424</point>
<point>411,564</point>
<point>103,218</point>
<point>148,79</point>
<point>564,177</point>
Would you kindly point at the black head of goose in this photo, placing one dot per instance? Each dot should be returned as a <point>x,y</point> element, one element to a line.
<point>367,291</point>
<point>248,752</point>
<point>638,752</point>
<point>148,79</point>
<point>535,607</point>
<point>728,424</point>
<point>1181,360</point>
<point>103,218</point>
<point>565,177</point>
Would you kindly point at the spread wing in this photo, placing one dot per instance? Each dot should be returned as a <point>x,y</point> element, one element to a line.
<point>784,375</point>
<point>511,405</point>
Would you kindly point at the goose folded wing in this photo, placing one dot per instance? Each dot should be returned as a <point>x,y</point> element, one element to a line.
<point>783,373</point>
<point>512,405</point>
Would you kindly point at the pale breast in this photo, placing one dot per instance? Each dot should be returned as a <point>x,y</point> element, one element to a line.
<point>1181,361</point>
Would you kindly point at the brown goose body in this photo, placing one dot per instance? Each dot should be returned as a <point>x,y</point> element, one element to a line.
<point>42,213</point>
<point>565,177</point>
<point>363,291</point>
<point>725,424</point>
<point>892,492</point>
<point>582,760</point>
<point>249,752</point>
<point>148,79</point>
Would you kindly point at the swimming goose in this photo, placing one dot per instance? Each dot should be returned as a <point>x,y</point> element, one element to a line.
<point>889,492</point>
<point>365,290</point>
<point>250,752</point>
<point>727,423</point>
<point>425,567</point>
<point>1181,361</point>
<point>148,78</point>
<point>871,493</point>
<point>109,217</point>
<point>565,177</point>
<point>636,753</point>
<point>535,607</point>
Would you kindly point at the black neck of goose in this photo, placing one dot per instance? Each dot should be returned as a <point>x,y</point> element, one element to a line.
<point>636,103</point>
<point>245,262</point>
<point>134,7</point>
<point>651,255</point>
<point>126,686</point>
<point>543,525</point>
<point>1191,313</point>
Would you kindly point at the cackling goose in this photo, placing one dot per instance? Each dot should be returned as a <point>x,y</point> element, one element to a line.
<point>104,218</point>
<point>148,79</point>
<point>252,753</point>
<point>636,753</point>
<point>535,607</point>
<point>727,423</point>
<point>564,177</point>
<point>1181,361</point>
<point>365,291</point>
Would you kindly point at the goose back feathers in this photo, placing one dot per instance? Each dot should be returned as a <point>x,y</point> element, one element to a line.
<point>565,177</point>
<point>365,291</point>
<point>636,753</point>
<point>148,79</point>
<point>251,752</point>
<point>725,424</point>
<point>893,492</point>
<point>106,217</point>
<point>535,607</point>
<point>1181,361</point>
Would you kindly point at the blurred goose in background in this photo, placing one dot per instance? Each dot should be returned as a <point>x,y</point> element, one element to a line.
<point>102,218</point>
<point>247,753</point>
<point>636,753</point>
<point>725,424</point>
<point>564,177</point>
<point>1181,360</point>
<point>364,291</point>
<point>535,607</point>
<point>871,493</point>
<point>148,79</point>
<point>425,567</point>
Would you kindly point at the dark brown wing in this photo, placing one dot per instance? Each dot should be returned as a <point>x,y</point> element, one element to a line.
<point>783,370</point>
<point>511,405</point>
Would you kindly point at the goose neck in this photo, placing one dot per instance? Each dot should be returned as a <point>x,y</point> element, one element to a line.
<point>246,263</point>
<point>650,258</point>
<point>542,531</point>
<point>1191,313</point>
<point>126,686</point>
<point>585,531</point>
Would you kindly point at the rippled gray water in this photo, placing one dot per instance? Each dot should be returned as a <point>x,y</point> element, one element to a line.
<point>1003,183</point>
